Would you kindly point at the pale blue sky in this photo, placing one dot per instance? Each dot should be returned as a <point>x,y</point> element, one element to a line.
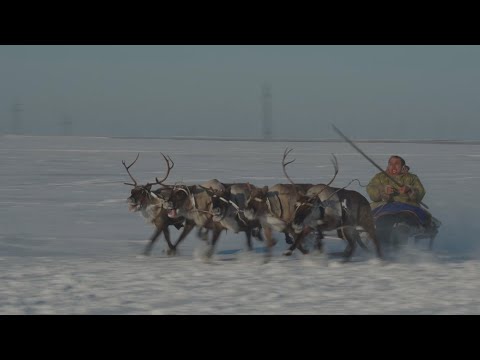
<point>419,92</point>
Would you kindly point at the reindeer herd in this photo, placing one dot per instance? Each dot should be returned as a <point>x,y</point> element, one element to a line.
<point>297,210</point>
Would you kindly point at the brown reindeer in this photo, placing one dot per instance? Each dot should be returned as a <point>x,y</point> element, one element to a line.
<point>151,205</point>
<point>194,203</point>
<point>274,207</point>
<point>227,209</point>
<point>330,214</point>
<point>326,208</point>
<point>346,211</point>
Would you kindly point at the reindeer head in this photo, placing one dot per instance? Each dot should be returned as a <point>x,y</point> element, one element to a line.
<point>256,204</point>
<point>142,196</point>
<point>308,212</point>
<point>180,200</point>
<point>220,200</point>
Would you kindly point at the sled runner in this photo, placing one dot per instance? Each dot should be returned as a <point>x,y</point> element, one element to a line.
<point>396,222</point>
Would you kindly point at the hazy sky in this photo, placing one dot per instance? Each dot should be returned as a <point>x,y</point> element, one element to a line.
<point>368,91</point>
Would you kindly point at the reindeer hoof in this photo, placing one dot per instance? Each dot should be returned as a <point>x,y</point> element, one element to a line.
<point>288,253</point>
<point>171,252</point>
<point>209,253</point>
<point>288,239</point>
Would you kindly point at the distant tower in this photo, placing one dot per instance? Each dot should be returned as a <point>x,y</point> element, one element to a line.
<point>66,125</point>
<point>267,111</point>
<point>17,110</point>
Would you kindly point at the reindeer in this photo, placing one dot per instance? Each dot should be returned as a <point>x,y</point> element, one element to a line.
<point>227,209</point>
<point>346,211</point>
<point>274,207</point>
<point>326,208</point>
<point>194,203</point>
<point>151,205</point>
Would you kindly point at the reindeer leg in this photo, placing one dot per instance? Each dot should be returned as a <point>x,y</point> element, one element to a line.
<point>216,234</point>
<point>202,233</point>
<point>269,242</point>
<point>303,236</point>
<point>153,238</point>
<point>302,249</point>
<point>257,233</point>
<point>373,237</point>
<point>319,241</point>
<point>288,239</point>
<point>358,238</point>
<point>297,244</point>
<point>349,250</point>
<point>171,249</point>
<point>292,247</point>
<point>248,234</point>
<point>186,230</point>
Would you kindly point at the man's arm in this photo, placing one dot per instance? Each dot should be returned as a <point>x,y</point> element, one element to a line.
<point>375,189</point>
<point>417,191</point>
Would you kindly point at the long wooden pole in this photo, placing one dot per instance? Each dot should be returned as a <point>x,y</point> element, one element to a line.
<point>368,158</point>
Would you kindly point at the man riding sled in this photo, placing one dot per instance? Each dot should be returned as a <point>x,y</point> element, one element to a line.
<point>397,195</point>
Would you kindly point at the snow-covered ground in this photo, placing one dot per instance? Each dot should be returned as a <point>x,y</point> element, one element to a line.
<point>68,244</point>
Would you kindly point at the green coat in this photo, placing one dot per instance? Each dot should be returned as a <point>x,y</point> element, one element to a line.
<point>376,189</point>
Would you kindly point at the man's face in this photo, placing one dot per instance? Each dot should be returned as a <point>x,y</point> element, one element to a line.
<point>394,166</point>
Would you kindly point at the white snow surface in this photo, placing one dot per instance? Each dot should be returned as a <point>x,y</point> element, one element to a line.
<point>68,244</point>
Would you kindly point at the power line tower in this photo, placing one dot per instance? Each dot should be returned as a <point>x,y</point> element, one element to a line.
<point>17,110</point>
<point>66,124</point>
<point>267,111</point>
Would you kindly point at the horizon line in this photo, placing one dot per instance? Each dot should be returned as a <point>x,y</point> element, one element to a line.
<point>247,139</point>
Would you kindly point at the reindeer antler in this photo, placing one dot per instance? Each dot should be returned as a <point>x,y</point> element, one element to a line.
<point>128,167</point>
<point>335,166</point>
<point>170,165</point>
<point>284,164</point>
